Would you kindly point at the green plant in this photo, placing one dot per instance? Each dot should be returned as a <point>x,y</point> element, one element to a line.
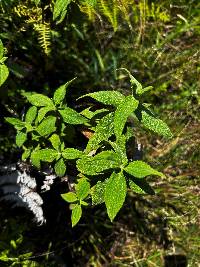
<point>33,15</point>
<point>131,11</point>
<point>4,72</point>
<point>104,168</point>
<point>12,252</point>
<point>19,260</point>
<point>158,42</point>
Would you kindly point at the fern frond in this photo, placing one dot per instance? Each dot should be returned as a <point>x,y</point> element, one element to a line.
<point>30,14</point>
<point>88,9</point>
<point>124,7</point>
<point>109,10</point>
<point>128,10</point>
<point>44,36</point>
<point>33,15</point>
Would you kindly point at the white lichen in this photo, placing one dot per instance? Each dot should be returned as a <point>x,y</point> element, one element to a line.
<point>20,188</point>
<point>48,181</point>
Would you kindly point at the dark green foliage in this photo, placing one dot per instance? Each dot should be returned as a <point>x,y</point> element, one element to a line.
<point>47,43</point>
<point>44,145</point>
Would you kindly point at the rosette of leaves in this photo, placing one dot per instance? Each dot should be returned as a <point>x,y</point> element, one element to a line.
<point>105,170</point>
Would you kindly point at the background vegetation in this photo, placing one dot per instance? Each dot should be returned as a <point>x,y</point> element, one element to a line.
<point>159,43</point>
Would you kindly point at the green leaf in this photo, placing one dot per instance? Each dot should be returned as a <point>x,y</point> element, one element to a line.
<point>1,49</point>
<point>124,110</point>
<point>156,125</point>
<point>90,114</point>
<point>60,8</point>
<point>108,155</point>
<point>4,257</point>
<point>62,146</point>
<point>145,90</point>
<point>70,116</point>
<point>20,138</point>
<point>69,197</point>
<point>120,148</point>
<point>83,203</point>
<point>35,137</point>
<point>18,124</point>
<point>103,131</point>
<point>3,73</point>
<point>98,192</point>
<point>140,169</point>
<point>93,166</point>
<point>47,154</point>
<point>100,60</point>
<point>115,194</point>
<point>29,127</point>
<point>133,81</point>
<point>55,141</point>
<point>72,206</point>
<point>43,111</point>
<point>76,214</point>
<point>35,159</point>
<point>47,126</point>
<point>82,188</point>
<point>113,98</point>
<point>37,2</point>
<point>72,153</point>
<point>60,93</point>
<point>3,60</point>
<point>140,186</point>
<point>13,244</point>
<point>60,167</point>
<point>31,114</point>
<point>26,154</point>
<point>39,100</point>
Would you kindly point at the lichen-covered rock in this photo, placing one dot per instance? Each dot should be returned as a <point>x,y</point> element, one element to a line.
<point>19,188</point>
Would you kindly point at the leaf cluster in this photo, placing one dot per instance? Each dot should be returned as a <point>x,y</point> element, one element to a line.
<point>104,170</point>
